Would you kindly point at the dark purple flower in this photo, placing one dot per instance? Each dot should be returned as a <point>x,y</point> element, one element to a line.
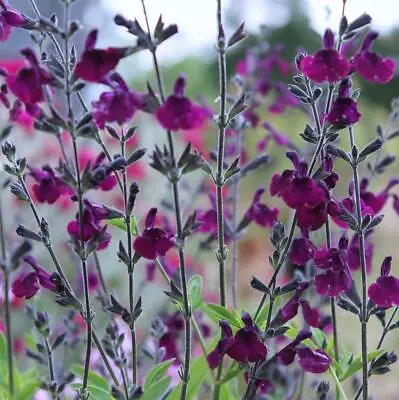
<point>153,242</point>
<point>283,100</point>
<point>336,278</point>
<point>315,361</point>
<point>9,18</point>
<point>95,64</point>
<point>27,84</point>
<point>385,291</point>
<point>179,112</point>
<point>105,180</point>
<point>354,252</point>
<point>245,346</point>
<point>93,214</point>
<point>25,286</point>
<point>376,201</point>
<point>43,276</point>
<point>311,315</point>
<point>174,324</point>
<point>290,309</point>
<point>48,187</point>
<point>286,355</point>
<point>370,65</point>
<point>119,105</point>
<point>326,64</point>
<point>260,212</point>
<point>301,251</point>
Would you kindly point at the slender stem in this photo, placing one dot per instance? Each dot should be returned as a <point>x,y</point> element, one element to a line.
<point>380,342</point>
<point>362,254</point>
<point>178,214</point>
<point>221,252</point>
<point>100,273</point>
<point>130,266</point>
<point>50,359</point>
<point>79,190</point>
<point>235,197</point>
<point>7,311</point>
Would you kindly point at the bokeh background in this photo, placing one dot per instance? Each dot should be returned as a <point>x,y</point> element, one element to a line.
<point>295,24</point>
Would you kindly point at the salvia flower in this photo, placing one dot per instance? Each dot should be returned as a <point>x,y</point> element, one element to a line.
<point>27,285</point>
<point>118,105</point>
<point>353,252</point>
<point>245,346</point>
<point>314,361</point>
<point>385,291</point>
<point>93,214</point>
<point>153,242</point>
<point>326,65</point>
<point>48,187</point>
<point>301,251</point>
<point>370,65</point>
<point>9,18</point>
<point>343,110</point>
<point>336,278</point>
<point>103,178</point>
<point>376,201</point>
<point>95,64</point>
<point>290,309</point>
<point>286,355</point>
<point>179,112</point>
<point>27,84</point>
<point>260,213</point>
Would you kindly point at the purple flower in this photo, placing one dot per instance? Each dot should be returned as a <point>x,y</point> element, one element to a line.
<point>27,84</point>
<point>385,291</point>
<point>174,325</point>
<point>283,100</point>
<point>179,112</point>
<point>26,286</point>
<point>336,278</point>
<point>286,355</point>
<point>376,201</point>
<point>326,64</point>
<point>315,361</point>
<point>9,18</point>
<point>343,111</point>
<point>119,105</point>
<point>354,252</point>
<point>370,65</point>
<point>105,180</point>
<point>290,309</point>
<point>48,187</point>
<point>153,242</point>
<point>301,251</point>
<point>93,214</point>
<point>245,346</point>
<point>95,64</point>
<point>261,213</point>
<point>311,315</point>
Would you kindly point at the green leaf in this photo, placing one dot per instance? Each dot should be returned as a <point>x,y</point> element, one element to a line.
<point>157,390</point>
<point>356,364</point>
<point>318,337</point>
<point>27,390</point>
<point>216,312</point>
<point>94,379</point>
<point>194,291</point>
<point>231,373</point>
<point>156,373</point>
<point>96,393</point>
<point>120,223</point>
<point>3,348</point>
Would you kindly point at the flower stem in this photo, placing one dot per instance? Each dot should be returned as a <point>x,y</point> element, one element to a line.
<point>130,266</point>
<point>50,360</point>
<point>185,374</point>
<point>362,254</point>
<point>7,310</point>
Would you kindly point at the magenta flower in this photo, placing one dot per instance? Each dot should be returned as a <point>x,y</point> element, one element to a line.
<point>48,187</point>
<point>26,286</point>
<point>153,242</point>
<point>9,18</point>
<point>179,112</point>
<point>301,251</point>
<point>283,100</point>
<point>245,346</point>
<point>326,64</point>
<point>93,214</point>
<point>336,278</point>
<point>119,105</point>
<point>105,180</point>
<point>335,209</point>
<point>260,213</point>
<point>95,64</point>
<point>376,201</point>
<point>385,291</point>
<point>302,193</point>
<point>27,84</point>
<point>315,361</point>
<point>370,65</point>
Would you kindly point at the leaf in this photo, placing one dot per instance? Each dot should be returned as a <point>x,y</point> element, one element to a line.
<point>156,373</point>
<point>28,389</point>
<point>94,379</point>
<point>318,337</point>
<point>156,391</point>
<point>231,373</point>
<point>194,291</point>
<point>216,312</point>
<point>120,223</point>
<point>356,364</point>
<point>3,348</point>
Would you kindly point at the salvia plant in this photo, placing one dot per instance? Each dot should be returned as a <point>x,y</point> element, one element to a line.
<point>198,345</point>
